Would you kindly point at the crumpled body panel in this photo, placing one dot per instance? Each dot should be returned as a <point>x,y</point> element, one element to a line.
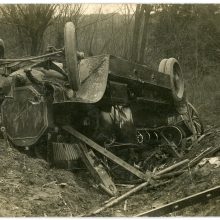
<point>93,73</point>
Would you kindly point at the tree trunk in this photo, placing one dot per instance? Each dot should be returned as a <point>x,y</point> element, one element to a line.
<point>147,10</point>
<point>136,33</point>
<point>142,17</point>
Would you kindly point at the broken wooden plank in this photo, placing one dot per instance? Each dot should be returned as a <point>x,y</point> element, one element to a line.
<point>190,164</point>
<point>199,139</point>
<point>97,170</point>
<point>123,197</point>
<point>118,199</point>
<point>173,167</point>
<point>170,175</point>
<point>206,153</point>
<point>106,153</point>
<point>183,203</point>
<point>172,145</point>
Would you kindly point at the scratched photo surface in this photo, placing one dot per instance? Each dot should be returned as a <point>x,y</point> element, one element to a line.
<point>109,110</point>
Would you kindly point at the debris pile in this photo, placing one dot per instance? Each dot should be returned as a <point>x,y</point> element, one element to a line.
<point>199,172</point>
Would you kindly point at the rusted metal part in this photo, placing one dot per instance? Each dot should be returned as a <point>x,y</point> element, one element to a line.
<point>183,203</point>
<point>97,170</point>
<point>106,153</point>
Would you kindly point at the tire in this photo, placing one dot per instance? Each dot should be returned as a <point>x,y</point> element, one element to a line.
<point>162,66</point>
<point>173,69</point>
<point>71,55</point>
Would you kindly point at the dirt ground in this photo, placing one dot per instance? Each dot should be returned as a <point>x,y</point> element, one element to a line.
<point>29,187</point>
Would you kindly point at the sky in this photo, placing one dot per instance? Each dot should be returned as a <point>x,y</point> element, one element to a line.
<point>106,8</point>
<point>109,5</point>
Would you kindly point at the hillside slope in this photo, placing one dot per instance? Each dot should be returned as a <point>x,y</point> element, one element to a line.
<point>29,187</point>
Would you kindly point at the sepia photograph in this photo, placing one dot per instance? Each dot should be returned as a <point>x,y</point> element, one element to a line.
<point>109,110</point>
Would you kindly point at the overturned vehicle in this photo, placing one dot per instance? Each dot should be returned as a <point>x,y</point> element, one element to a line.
<point>102,112</point>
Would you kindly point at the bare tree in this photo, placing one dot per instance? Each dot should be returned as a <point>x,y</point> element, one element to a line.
<point>31,21</point>
<point>70,12</point>
<point>94,31</point>
<point>67,12</point>
<point>125,29</point>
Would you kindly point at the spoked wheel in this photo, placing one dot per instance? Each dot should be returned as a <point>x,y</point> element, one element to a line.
<point>193,121</point>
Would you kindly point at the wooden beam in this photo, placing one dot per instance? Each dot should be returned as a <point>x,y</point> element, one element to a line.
<point>106,153</point>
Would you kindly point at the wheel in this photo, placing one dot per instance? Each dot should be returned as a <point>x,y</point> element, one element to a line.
<point>162,66</point>
<point>173,69</point>
<point>196,121</point>
<point>71,55</point>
